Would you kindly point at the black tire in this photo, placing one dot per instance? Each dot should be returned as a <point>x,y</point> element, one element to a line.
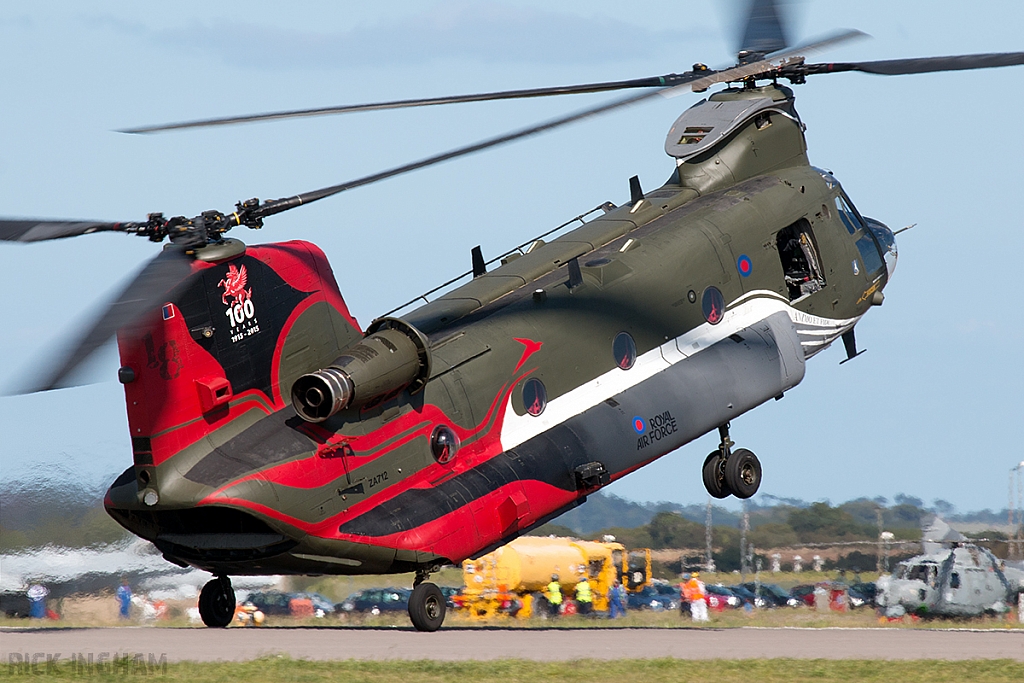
<point>743,473</point>
<point>217,603</point>
<point>714,477</point>
<point>426,607</point>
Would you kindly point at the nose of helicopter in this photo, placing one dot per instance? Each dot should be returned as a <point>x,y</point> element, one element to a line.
<point>887,241</point>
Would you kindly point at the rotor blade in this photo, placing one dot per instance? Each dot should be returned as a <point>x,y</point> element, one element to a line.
<point>152,287</point>
<point>272,207</point>
<point>693,80</point>
<point>651,82</point>
<point>896,67</point>
<point>763,32</point>
<point>772,61</point>
<point>33,230</point>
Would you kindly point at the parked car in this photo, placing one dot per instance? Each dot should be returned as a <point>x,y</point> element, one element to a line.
<point>746,596</point>
<point>721,598</point>
<point>14,604</point>
<point>657,597</point>
<point>773,595</point>
<point>376,600</point>
<point>271,603</point>
<point>321,604</point>
<point>804,593</point>
<point>862,594</point>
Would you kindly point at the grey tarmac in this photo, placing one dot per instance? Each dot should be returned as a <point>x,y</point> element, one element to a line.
<point>237,644</point>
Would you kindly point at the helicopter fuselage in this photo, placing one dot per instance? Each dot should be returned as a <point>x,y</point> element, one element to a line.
<point>456,427</point>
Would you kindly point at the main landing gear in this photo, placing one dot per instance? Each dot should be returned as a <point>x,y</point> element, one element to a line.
<point>728,472</point>
<point>426,604</point>
<point>217,602</point>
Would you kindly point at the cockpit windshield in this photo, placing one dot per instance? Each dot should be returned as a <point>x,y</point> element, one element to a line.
<point>923,572</point>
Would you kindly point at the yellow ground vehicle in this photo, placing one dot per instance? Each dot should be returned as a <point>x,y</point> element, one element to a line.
<point>505,581</point>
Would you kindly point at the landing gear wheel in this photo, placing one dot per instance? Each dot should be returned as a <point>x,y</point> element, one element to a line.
<point>427,607</point>
<point>217,602</point>
<point>714,476</point>
<point>743,473</point>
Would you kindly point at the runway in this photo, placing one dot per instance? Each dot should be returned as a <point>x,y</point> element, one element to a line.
<point>454,644</point>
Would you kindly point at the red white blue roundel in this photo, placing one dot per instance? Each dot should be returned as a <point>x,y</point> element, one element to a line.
<point>744,265</point>
<point>639,426</point>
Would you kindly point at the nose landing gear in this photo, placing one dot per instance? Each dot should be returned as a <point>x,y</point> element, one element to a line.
<point>727,472</point>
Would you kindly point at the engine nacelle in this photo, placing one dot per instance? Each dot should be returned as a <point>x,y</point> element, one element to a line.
<point>383,363</point>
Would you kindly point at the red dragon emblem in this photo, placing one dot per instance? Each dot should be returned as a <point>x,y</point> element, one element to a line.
<point>234,286</point>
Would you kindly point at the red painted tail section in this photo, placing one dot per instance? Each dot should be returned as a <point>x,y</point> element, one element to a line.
<point>233,337</point>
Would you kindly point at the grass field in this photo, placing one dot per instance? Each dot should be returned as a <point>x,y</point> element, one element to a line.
<point>284,670</point>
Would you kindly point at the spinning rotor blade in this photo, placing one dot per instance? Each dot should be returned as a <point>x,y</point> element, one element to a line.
<point>652,82</point>
<point>774,63</point>
<point>764,32</point>
<point>278,205</point>
<point>152,287</point>
<point>698,80</point>
<point>211,225</point>
<point>923,65</point>
<point>31,230</point>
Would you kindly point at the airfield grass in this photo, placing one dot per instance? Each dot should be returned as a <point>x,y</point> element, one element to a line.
<point>285,670</point>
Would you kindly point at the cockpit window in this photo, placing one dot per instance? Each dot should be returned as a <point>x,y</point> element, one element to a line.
<point>847,215</point>
<point>827,176</point>
<point>921,572</point>
<point>869,252</point>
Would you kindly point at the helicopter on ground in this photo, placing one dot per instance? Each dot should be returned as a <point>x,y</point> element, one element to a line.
<point>953,577</point>
<point>272,434</point>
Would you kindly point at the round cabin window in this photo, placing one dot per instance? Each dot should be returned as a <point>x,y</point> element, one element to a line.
<point>444,444</point>
<point>624,350</point>
<point>535,396</point>
<point>713,304</point>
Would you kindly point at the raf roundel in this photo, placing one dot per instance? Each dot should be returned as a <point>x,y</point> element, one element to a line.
<point>744,265</point>
<point>639,426</point>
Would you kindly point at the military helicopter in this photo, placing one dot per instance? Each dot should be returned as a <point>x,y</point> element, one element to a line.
<point>271,434</point>
<point>951,578</point>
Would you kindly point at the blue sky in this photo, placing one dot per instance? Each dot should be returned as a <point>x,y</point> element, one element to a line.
<point>931,410</point>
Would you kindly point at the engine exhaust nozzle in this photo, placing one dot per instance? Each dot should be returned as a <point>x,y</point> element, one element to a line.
<point>320,394</point>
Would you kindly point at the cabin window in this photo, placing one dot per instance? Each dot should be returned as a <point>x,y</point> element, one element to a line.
<point>624,350</point>
<point>444,443</point>
<point>535,396</point>
<point>801,266</point>
<point>713,305</point>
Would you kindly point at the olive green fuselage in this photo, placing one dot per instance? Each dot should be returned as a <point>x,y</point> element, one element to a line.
<point>567,367</point>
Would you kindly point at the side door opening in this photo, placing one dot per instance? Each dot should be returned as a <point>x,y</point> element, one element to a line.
<point>801,265</point>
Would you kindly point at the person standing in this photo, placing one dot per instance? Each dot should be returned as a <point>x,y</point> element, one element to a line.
<point>584,596</point>
<point>124,598</point>
<point>37,601</point>
<point>695,593</point>
<point>554,595</point>
<point>616,600</point>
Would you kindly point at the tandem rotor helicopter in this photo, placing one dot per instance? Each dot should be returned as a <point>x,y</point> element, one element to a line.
<point>271,434</point>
